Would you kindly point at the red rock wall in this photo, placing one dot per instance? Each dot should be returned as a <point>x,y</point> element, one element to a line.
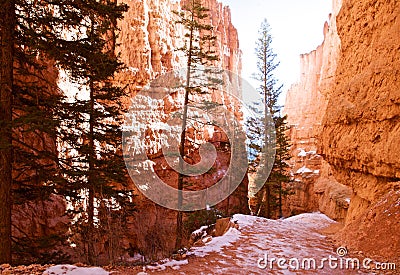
<point>36,222</point>
<point>314,186</point>
<point>361,127</point>
<point>348,110</point>
<point>149,37</point>
<point>148,40</point>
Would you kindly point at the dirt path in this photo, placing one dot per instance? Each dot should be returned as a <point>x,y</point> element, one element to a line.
<point>242,251</point>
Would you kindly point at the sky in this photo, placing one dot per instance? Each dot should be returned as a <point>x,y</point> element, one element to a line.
<point>296,28</point>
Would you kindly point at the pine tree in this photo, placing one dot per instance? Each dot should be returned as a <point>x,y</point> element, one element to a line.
<point>272,190</point>
<point>280,174</point>
<point>34,41</point>
<point>7,24</point>
<point>94,133</point>
<point>198,48</point>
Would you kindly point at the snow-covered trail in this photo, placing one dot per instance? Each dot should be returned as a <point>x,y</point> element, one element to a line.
<point>260,246</point>
<point>244,251</point>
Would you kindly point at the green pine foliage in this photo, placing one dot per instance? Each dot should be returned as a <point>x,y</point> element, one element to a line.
<point>91,136</point>
<point>198,48</point>
<point>276,187</point>
<point>205,217</point>
<point>47,36</point>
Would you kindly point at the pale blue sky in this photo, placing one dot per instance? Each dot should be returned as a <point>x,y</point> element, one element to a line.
<point>296,27</point>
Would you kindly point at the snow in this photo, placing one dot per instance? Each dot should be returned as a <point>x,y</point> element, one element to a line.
<point>174,264</point>
<point>74,270</point>
<point>245,219</point>
<point>245,222</point>
<point>302,153</point>
<point>316,171</point>
<point>239,249</point>
<point>216,244</point>
<point>201,231</point>
<point>303,170</point>
<point>316,220</point>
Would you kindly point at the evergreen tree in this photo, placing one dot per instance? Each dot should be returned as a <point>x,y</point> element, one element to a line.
<point>7,28</point>
<point>272,190</point>
<point>198,48</point>
<point>33,33</point>
<point>96,167</point>
<point>280,175</point>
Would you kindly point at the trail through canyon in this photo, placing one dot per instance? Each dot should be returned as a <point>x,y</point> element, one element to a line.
<point>256,247</point>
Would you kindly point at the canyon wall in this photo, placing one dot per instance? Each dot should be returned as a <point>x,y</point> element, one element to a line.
<point>361,127</point>
<point>147,42</point>
<point>39,221</point>
<point>349,113</point>
<point>314,186</point>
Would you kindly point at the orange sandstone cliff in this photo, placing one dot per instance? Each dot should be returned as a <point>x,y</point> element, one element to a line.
<point>361,127</point>
<point>314,187</point>
<point>147,43</point>
<point>348,111</point>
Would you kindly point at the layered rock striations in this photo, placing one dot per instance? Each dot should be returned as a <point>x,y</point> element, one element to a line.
<point>314,186</point>
<point>147,44</point>
<point>361,127</point>
<point>348,111</point>
<point>149,39</point>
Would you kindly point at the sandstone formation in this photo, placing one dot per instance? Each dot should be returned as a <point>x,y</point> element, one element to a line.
<point>39,227</point>
<point>39,223</point>
<point>360,130</point>
<point>314,186</point>
<point>149,38</point>
<point>147,43</point>
<point>349,109</point>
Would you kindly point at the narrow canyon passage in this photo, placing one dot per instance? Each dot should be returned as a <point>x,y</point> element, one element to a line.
<point>239,251</point>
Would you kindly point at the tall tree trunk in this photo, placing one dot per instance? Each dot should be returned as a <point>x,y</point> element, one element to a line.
<point>268,200</point>
<point>267,99</point>
<point>7,26</point>
<point>280,200</point>
<point>280,187</point>
<point>179,217</point>
<point>91,256</point>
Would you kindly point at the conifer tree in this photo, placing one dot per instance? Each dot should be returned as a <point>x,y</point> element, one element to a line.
<point>7,23</point>
<point>94,133</point>
<point>198,49</point>
<point>272,190</point>
<point>33,33</point>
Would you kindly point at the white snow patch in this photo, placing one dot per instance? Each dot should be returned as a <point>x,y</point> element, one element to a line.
<point>347,200</point>
<point>174,264</point>
<point>244,219</point>
<point>302,153</point>
<point>316,171</point>
<point>303,170</point>
<point>137,257</point>
<point>292,237</point>
<point>74,270</point>
<point>217,243</point>
<point>201,231</point>
<point>316,220</point>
